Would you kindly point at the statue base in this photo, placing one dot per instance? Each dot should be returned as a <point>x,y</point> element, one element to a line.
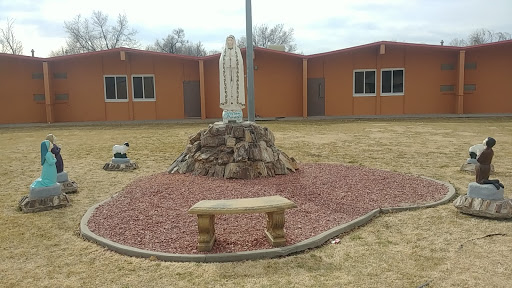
<point>485,191</point>
<point>233,150</point>
<point>45,192</point>
<point>66,185</point>
<point>120,160</point>
<point>496,209</point>
<point>484,200</point>
<point>232,116</point>
<point>62,177</point>
<point>120,164</point>
<point>44,198</point>
<point>69,187</point>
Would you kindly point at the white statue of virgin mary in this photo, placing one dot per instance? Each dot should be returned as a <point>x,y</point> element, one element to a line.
<point>231,72</point>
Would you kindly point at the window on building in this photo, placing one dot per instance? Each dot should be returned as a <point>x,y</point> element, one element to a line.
<point>143,87</point>
<point>392,81</point>
<point>469,87</point>
<point>447,88</point>
<point>364,82</point>
<point>116,88</point>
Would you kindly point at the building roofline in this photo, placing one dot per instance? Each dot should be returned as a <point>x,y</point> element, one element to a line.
<point>498,43</point>
<point>266,50</point>
<point>125,49</point>
<point>25,57</point>
<point>375,44</point>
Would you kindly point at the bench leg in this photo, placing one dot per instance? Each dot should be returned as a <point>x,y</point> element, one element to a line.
<point>206,226</point>
<point>275,228</point>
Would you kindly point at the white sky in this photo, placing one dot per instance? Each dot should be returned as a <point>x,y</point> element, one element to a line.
<point>319,25</point>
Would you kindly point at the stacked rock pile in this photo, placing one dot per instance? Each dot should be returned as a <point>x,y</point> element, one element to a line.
<point>233,150</point>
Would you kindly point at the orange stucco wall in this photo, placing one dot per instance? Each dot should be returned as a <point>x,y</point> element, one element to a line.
<point>17,89</point>
<point>211,88</point>
<point>277,85</point>
<point>492,78</point>
<point>422,80</point>
<point>85,86</point>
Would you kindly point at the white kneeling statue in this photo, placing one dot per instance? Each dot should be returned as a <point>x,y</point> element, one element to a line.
<point>231,76</point>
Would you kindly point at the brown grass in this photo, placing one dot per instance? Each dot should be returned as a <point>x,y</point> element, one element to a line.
<point>405,249</point>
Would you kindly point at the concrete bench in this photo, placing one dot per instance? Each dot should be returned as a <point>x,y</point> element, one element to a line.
<point>274,206</point>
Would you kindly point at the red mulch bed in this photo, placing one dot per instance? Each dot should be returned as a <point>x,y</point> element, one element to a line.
<point>151,212</point>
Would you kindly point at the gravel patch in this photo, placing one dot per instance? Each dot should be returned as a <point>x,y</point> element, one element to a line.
<point>151,212</point>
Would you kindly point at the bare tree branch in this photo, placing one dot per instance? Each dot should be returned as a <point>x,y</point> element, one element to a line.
<point>94,34</point>
<point>8,41</point>
<point>481,36</point>
<point>175,43</point>
<point>263,36</point>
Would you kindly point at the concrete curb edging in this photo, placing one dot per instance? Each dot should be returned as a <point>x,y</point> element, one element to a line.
<point>255,254</point>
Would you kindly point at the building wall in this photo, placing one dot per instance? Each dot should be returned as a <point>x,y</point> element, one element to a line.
<point>212,88</point>
<point>77,92</point>
<point>423,78</point>
<point>17,89</point>
<point>277,85</point>
<point>492,78</point>
<point>85,86</point>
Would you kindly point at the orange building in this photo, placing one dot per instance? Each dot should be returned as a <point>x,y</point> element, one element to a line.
<point>382,78</point>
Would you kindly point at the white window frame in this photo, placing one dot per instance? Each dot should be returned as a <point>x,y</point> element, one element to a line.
<point>143,91</point>
<point>382,82</point>
<point>354,94</point>
<point>105,88</point>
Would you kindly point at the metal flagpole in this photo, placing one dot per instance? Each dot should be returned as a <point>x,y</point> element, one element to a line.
<point>250,61</point>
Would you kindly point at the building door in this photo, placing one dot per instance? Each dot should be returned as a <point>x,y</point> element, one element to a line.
<point>192,99</point>
<point>316,96</point>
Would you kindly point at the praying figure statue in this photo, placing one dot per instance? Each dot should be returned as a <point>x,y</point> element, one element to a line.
<point>56,151</point>
<point>49,172</point>
<point>483,168</point>
<point>232,88</point>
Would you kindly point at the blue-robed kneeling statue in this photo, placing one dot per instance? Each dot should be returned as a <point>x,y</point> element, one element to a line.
<point>49,173</point>
<point>45,192</point>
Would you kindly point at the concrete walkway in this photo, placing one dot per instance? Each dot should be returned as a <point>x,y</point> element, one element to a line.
<point>263,119</point>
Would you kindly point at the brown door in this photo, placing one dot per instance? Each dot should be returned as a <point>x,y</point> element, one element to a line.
<point>192,99</point>
<point>316,96</point>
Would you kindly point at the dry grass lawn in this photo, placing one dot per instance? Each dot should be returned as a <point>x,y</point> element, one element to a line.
<point>405,249</point>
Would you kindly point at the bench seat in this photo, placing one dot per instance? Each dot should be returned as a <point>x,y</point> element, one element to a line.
<point>273,206</point>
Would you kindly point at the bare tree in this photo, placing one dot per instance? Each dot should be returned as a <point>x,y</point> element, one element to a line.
<point>8,42</point>
<point>95,33</point>
<point>214,51</point>
<point>194,49</point>
<point>263,36</point>
<point>458,42</point>
<point>175,43</point>
<point>170,44</point>
<point>481,36</point>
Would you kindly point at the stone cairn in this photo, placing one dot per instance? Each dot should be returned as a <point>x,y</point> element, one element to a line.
<point>233,150</point>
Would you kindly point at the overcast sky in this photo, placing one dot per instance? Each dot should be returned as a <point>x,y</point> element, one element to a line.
<point>319,25</point>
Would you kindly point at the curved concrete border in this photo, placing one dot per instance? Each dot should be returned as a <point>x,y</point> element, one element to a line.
<point>255,254</point>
